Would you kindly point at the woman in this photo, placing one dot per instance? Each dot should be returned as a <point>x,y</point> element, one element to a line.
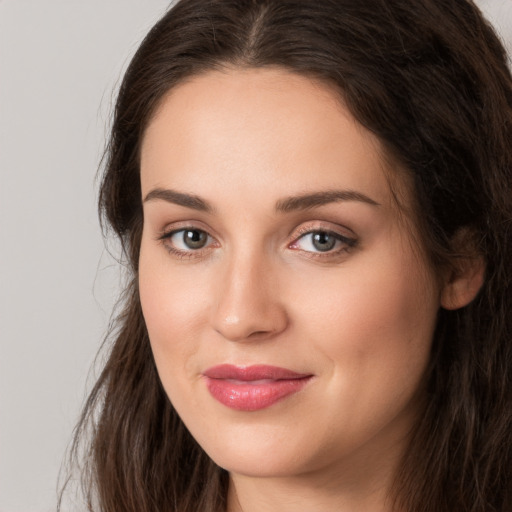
<point>315,202</point>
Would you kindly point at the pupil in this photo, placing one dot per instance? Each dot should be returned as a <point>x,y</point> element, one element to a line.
<point>323,241</point>
<point>194,239</point>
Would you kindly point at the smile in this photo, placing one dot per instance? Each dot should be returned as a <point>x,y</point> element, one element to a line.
<point>251,388</point>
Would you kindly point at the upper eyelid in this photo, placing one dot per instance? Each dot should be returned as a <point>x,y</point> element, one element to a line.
<point>327,231</point>
<point>165,234</point>
<point>347,240</point>
<point>192,225</point>
<point>316,226</point>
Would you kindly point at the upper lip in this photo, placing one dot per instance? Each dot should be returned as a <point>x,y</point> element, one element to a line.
<point>253,372</point>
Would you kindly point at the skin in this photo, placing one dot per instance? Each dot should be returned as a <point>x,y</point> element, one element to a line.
<point>359,318</point>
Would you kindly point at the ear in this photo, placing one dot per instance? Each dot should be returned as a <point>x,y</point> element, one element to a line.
<point>464,283</point>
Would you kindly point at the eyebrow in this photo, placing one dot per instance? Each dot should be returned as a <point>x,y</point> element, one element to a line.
<point>179,198</point>
<point>288,204</point>
<point>313,200</point>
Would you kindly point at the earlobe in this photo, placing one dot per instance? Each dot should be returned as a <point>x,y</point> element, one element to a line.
<point>464,284</point>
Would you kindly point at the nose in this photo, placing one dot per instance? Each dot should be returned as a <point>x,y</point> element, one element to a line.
<point>248,306</point>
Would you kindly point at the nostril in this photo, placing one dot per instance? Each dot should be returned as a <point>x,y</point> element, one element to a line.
<point>259,334</point>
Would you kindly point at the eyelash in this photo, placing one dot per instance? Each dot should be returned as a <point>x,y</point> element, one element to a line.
<point>348,243</point>
<point>178,253</point>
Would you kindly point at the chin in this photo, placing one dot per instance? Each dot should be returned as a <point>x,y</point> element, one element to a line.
<point>258,452</point>
<point>260,465</point>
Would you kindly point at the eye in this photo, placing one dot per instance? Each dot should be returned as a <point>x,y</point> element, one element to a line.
<point>186,240</point>
<point>323,241</point>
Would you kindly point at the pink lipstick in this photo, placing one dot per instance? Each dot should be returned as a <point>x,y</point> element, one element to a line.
<point>250,388</point>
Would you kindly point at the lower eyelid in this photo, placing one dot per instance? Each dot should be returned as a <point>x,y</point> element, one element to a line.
<point>185,254</point>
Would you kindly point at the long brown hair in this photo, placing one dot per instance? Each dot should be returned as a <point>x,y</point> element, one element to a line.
<point>430,79</point>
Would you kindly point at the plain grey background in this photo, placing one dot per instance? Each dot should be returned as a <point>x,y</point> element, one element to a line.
<point>60,63</point>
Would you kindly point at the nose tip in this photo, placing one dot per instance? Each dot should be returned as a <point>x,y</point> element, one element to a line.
<point>248,307</point>
<point>235,328</point>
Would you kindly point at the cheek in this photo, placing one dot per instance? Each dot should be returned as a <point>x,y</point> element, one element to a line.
<point>374,323</point>
<point>173,304</point>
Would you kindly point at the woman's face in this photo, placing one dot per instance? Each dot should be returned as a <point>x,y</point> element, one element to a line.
<point>289,311</point>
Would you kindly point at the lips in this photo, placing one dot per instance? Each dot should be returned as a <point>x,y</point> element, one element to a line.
<point>251,388</point>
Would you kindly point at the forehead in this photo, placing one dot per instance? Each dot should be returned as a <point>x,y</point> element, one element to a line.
<point>253,129</point>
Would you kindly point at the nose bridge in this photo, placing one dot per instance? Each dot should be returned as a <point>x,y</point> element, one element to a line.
<point>248,305</point>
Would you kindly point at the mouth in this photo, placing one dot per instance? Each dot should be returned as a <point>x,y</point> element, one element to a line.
<point>251,388</point>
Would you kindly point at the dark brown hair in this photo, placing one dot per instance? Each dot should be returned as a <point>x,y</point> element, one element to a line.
<point>430,79</point>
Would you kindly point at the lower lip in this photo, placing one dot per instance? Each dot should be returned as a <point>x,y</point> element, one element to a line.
<point>253,396</point>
